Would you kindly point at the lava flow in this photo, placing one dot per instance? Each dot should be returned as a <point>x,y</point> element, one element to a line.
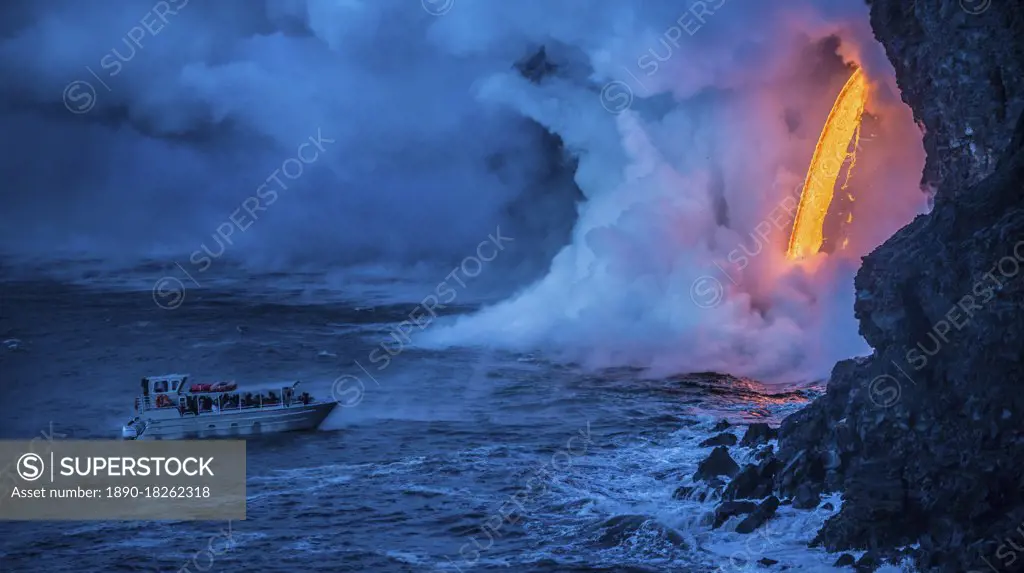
<point>842,126</point>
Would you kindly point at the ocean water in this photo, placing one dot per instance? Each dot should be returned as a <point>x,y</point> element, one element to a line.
<point>456,460</point>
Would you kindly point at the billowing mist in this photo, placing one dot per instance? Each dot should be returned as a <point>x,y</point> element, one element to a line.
<point>647,162</point>
<point>272,134</point>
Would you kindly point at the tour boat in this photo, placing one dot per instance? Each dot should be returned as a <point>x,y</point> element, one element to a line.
<point>171,408</point>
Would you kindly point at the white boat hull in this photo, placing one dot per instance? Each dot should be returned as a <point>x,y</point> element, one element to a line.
<point>169,425</point>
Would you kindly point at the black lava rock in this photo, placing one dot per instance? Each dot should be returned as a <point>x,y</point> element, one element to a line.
<point>721,426</point>
<point>767,562</point>
<point>845,560</point>
<point>875,513</point>
<point>719,463</point>
<point>730,509</point>
<point>753,482</point>
<point>807,497</point>
<point>868,563</point>
<point>758,434</point>
<point>962,138</point>
<point>724,439</point>
<point>759,516</point>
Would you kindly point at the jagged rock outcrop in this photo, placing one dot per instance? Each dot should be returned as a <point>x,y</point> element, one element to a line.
<point>753,481</point>
<point>925,438</point>
<point>719,463</point>
<point>758,434</point>
<point>764,511</point>
<point>960,66</point>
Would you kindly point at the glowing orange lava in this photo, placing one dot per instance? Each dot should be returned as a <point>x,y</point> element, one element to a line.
<point>842,126</point>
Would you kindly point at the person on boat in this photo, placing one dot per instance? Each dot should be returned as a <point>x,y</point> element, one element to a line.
<point>305,398</point>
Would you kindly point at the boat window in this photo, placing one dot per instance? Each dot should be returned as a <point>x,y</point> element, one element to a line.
<point>174,385</point>
<point>160,386</point>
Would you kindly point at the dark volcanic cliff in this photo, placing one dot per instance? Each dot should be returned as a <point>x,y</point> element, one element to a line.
<point>960,67</point>
<point>925,438</point>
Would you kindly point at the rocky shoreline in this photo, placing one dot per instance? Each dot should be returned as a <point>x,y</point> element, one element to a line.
<point>749,495</point>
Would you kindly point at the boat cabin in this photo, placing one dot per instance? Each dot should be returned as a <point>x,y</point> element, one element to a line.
<point>167,384</point>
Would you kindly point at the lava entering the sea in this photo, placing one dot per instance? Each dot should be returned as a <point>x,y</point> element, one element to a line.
<point>830,154</point>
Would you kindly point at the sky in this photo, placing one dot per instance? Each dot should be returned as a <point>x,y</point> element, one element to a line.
<point>644,180</point>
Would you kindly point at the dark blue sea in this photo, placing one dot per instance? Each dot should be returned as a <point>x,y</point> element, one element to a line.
<point>448,460</point>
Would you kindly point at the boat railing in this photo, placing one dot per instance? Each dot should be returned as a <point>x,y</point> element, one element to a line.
<point>196,403</point>
<point>143,403</point>
<point>218,403</point>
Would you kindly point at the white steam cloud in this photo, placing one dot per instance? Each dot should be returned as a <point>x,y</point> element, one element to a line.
<point>692,123</point>
<point>690,168</point>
